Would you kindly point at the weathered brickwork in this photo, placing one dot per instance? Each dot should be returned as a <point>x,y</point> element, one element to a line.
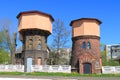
<point>35,47</point>
<point>81,56</point>
<point>86,57</point>
<point>34,28</point>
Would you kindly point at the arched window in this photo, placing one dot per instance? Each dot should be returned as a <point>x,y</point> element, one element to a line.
<point>39,41</point>
<point>38,47</point>
<point>88,45</point>
<point>30,43</point>
<point>84,45</point>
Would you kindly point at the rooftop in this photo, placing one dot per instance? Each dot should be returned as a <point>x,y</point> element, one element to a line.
<point>86,19</point>
<point>38,12</point>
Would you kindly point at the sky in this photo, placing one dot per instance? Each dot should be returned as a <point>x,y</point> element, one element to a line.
<point>107,11</point>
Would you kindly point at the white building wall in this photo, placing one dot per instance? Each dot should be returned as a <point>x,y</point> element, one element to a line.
<point>114,51</point>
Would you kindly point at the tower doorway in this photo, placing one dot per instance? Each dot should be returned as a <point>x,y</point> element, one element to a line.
<point>87,68</point>
<point>29,63</point>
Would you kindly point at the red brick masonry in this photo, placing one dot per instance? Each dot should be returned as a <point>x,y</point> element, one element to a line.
<point>81,55</point>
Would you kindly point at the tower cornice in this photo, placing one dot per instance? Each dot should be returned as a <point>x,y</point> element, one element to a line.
<point>85,37</point>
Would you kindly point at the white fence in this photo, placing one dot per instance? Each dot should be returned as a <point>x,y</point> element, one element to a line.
<point>11,68</point>
<point>54,68</point>
<point>51,68</point>
<point>110,69</point>
<point>36,68</point>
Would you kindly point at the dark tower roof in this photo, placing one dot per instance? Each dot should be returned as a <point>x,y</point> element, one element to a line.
<point>38,12</point>
<point>89,19</point>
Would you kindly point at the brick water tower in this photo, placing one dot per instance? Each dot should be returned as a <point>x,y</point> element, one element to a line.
<point>86,57</point>
<point>34,28</point>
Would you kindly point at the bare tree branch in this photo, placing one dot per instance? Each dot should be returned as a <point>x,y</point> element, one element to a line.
<point>60,38</point>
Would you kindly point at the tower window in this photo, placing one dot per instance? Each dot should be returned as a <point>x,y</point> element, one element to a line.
<point>30,46</point>
<point>89,45</point>
<point>39,47</point>
<point>84,45</point>
<point>30,43</point>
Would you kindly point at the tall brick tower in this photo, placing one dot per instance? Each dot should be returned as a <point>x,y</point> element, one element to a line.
<point>34,28</point>
<point>86,57</point>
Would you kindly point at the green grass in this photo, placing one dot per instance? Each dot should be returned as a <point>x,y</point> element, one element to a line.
<point>59,74</point>
<point>11,73</point>
<point>72,74</point>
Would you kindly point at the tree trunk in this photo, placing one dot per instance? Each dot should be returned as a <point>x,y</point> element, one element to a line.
<point>12,46</point>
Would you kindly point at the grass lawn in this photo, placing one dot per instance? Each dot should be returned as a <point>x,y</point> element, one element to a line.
<point>59,74</point>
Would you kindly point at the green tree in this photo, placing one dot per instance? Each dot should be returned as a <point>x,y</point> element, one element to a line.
<point>63,59</point>
<point>102,46</point>
<point>1,39</point>
<point>8,42</point>
<point>109,62</point>
<point>4,57</point>
<point>53,57</point>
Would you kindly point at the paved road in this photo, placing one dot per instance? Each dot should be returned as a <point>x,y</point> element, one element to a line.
<point>55,78</point>
<point>21,79</point>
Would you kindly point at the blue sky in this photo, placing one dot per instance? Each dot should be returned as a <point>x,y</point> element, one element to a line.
<point>108,11</point>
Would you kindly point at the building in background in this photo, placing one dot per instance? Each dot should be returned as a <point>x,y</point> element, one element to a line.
<point>18,56</point>
<point>34,28</point>
<point>65,55</point>
<point>112,51</point>
<point>86,57</point>
<point>60,57</point>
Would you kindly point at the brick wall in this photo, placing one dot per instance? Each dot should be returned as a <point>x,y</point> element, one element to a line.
<point>81,55</point>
